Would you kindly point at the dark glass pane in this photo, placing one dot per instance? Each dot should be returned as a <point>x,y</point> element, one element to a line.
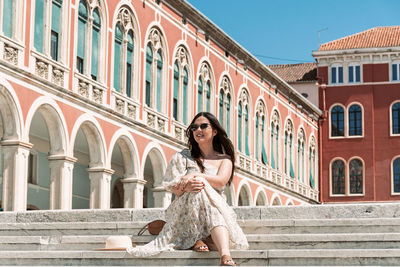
<point>396,118</point>
<point>128,79</point>
<point>355,124</point>
<point>54,45</point>
<point>338,183</point>
<point>79,64</point>
<point>358,74</point>
<point>394,72</point>
<point>95,53</point>
<point>351,74</point>
<point>333,75</point>
<point>396,175</point>
<point>340,70</point>
<point>356,176</point>
<point>337,120</point>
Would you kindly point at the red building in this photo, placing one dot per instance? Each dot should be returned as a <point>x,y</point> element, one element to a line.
<point>359,93</point>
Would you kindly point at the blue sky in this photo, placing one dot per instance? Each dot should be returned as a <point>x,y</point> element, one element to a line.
<point>288,29</point>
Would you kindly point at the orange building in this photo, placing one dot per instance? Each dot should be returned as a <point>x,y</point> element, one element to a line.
<point>95,97</point>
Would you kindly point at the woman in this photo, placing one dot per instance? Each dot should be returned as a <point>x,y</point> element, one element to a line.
<point>198,177</point>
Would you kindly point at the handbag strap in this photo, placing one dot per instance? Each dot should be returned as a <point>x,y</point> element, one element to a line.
<point>141,232</point>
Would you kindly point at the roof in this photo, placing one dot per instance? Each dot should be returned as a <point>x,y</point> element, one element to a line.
<point>301,72</point>
<point>376,37</point>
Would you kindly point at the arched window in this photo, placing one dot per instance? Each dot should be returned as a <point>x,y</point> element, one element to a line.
<point>338,177</point>
<point>124,52</point>
<point>356,176</point>
<point>311,163</point>
<point>82,28</point>
<point>355,120</point>
<point>300,156</point>
<point>154,71</point>
<point>396,118</point>
<point>288,150</point>
<point>225,104</point>
<point>243,122</point>
<point>337,121</point>
<point>396,175</point>
<point>275,140</point>
<point>95,44</point>
<point>48,25</point>
<point>204,88</point>
<point>181,83</point>
<point>260,137</point>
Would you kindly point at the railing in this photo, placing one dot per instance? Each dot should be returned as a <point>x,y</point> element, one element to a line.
<point>11,51</point>
<point>155,119</point>
<point>124,105</point>
<point>261,170</point>
<point>244,161</point>
<point>90,89</point>
<point>50,70</point>
<point>178,131</point>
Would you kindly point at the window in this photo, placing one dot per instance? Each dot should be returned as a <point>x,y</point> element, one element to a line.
<point>396,175</point>
<point>288,149</point>
<point>300,156</point>
<point>336,74</point>
<point>39,25</point>
<point>32,167</point>
<point>225,104</point>
<point>154,71</point>
<point>337,121</point>
<point>396,71</point>
<point>82,25</point>
<point>204,89</point>
<point>260,148</point>
<point>356,176</point>
<point>354,74</point>
<point>396,118</point>
<point>311,164</point>
<point>8,17</point>
<point>95,44</point>
<point>338,177</point>
<point>117,57</point>
<point>243,122</point>
<point>275,140</point>
<point>355,120</point>
<point>181,83</point>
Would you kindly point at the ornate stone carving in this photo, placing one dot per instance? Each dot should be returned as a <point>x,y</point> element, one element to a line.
<point>132,111</point>
<point>119,105</point>
<point>275,118</point>
<point>260,108</point>
<point>289,126</point>
<point>98,95</point>
<point>205,71</point>
<point>155,38</point>
<point>248,163</point>
<point>178,133</point>
<point>58,77</point>
<point>83,89</point>
<point>241,162</point>
<point>125,17</point>
<point>11,54</point>
<point>151,120</point>
<point>182,56</point>
<point>42,69</point>
<point>161,125</point>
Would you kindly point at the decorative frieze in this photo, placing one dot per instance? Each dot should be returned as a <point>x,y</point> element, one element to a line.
<point>10,54</point>
<point>42,69</point>
<point>83,89</point>
<point>58,77</point>
<point>97,95</point>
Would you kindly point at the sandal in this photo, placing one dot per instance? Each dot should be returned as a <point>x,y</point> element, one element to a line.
<point>200,246</point>
<point>227,261</point>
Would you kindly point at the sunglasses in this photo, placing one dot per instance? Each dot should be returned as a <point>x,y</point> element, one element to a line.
<point>202,126</point>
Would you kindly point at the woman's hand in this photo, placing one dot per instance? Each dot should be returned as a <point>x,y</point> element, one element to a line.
<point>194,186</point>
<point>181,185</point>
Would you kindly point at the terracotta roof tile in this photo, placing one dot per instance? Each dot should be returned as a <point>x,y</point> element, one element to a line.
<point>296,72</point>
<point>376,37</point>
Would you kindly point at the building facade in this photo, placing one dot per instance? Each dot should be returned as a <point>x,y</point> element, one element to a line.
<point>359,93</point>
<point>95,97</point>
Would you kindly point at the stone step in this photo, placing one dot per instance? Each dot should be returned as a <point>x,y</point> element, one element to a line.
<point>256,241</point>
<point>279,226</point>
<point>277,257</point>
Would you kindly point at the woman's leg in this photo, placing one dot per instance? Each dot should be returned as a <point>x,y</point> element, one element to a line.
<point>220,236</point>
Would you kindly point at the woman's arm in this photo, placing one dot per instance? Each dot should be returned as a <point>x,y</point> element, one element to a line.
<point>222,177</point>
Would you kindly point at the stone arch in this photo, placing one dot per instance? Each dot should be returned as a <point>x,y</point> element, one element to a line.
<point>261,197</point>
<point>289,202</point>
<point>10,113</point>
<point>153,168</point>
<point>276,201</point>
<point>244,194</point>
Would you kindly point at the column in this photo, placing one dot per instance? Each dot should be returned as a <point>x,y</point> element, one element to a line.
<point>133,192</point>
<point>162,198</point>
<point>61,177</point>
<point>100,187</point>
<point>15,171</point>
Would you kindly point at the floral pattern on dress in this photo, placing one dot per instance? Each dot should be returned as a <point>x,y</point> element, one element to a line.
<point>192,216</point>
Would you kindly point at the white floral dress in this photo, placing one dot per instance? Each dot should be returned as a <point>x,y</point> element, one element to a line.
<point>192,216</point>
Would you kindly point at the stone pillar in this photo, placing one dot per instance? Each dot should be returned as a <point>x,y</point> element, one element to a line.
<point>162,198</point>
<point>61,177</point>
<point>133,192</point>
<point>100,187</point>
<point>15,171</point>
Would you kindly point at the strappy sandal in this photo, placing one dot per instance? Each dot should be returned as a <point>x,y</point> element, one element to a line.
<point>200,246</point>
<point>227,261</point>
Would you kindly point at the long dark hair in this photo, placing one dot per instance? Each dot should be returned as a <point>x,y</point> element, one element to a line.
<point>221,142</point>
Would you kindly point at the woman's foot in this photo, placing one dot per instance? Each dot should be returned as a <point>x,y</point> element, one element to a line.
<point>200,246</point>
<point>227,261</point>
